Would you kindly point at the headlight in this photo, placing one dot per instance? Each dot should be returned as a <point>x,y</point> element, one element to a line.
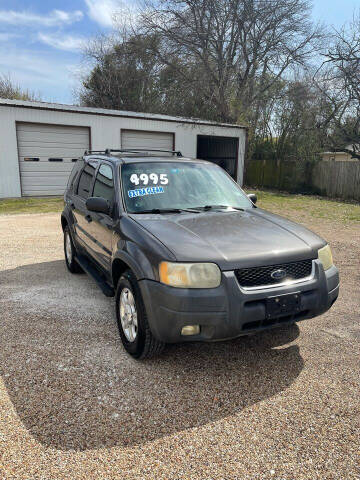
<point>325,257</point>
<point>190,275</point>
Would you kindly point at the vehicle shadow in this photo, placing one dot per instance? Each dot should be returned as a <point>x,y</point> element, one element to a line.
<point>74,388</point>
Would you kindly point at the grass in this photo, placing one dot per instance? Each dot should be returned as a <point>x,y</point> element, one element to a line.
<point>31,205</point>
<point>277,202</point>
<point>314,206</point>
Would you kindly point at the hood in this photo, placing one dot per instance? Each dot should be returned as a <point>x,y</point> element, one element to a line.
<point>232,239</point>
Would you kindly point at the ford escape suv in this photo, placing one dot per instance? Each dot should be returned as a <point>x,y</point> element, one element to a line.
<point>186,253</point>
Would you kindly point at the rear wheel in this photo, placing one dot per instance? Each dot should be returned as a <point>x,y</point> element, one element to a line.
<point>134,328</point>
<point>69,251</point>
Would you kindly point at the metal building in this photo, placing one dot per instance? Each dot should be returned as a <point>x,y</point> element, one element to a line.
<point>40,141</point>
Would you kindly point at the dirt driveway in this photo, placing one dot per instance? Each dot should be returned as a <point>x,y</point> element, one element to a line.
<point>73,405</point>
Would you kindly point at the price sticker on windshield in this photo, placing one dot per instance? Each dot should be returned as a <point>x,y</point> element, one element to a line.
<point>152,178</point>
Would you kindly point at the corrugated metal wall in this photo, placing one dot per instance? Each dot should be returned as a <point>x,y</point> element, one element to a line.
<point>105,132</point>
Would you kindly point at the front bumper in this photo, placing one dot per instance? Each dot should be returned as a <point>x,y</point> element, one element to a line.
<point>229,311</point>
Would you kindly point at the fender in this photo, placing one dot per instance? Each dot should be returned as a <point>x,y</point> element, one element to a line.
<point>132,263</point>
<point>139,249</point>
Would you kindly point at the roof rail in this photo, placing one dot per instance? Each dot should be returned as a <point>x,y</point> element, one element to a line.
<point>109,151</point>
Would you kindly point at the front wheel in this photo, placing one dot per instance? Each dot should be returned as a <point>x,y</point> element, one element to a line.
<point>134,328</point>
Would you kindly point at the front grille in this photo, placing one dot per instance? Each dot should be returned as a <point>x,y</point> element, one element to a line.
<point>258,276</point>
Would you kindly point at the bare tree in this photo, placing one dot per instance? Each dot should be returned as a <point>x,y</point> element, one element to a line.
<point>289,118</point>
<point>12,91</point>
<point>242,46</point>
<point>234,61</point>
<point>125,74</point>
<point>339,81</point>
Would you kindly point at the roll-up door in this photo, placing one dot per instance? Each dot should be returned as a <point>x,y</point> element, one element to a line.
<point>143,139</point>
<point>47,154</point>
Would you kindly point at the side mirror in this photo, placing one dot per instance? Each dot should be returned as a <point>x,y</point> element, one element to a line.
<point>252,197</point>
<point>98,204</point>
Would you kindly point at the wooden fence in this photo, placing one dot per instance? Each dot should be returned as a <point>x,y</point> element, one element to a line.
<point>340,179</point>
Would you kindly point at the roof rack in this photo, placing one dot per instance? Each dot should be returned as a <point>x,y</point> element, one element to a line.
<point>90,152</point>
<point>109,151</point>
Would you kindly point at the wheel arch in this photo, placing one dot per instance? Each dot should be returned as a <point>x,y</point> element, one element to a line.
<point>122,263</point>
<point>117,269</point>
<point>64,222</point>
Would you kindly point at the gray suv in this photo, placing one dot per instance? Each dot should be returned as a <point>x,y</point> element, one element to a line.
<point>186,253</point>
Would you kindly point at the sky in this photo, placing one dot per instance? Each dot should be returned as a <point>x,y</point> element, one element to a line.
<point>41,40</point>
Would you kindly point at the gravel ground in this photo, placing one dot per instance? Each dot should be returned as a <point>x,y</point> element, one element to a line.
<point>279,405</point>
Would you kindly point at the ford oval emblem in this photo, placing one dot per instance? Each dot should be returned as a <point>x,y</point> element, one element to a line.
<point>278,274</point>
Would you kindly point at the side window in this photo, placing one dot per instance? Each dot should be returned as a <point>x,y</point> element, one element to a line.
<point>85,180</point>
<point>104,183</point>
<point>73,177</point>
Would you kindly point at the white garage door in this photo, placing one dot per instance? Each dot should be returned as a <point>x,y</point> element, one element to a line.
<point>47,154</point>
<point>151,140</point>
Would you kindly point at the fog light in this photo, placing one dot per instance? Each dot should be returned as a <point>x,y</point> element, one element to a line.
<point>190,330</point>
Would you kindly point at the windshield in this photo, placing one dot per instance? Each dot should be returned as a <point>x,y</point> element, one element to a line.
<point>178,185</point>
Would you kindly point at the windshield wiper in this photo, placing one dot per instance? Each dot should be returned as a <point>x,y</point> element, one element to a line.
<point>189,210</point>
<point>214,207</point>
<point>168,210</point>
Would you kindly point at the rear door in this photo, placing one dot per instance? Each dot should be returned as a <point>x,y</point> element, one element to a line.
<point>102,226</point>
<point>82,216</point>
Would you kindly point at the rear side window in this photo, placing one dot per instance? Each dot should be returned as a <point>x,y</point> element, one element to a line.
<point>73,177</point>
<point>104,183</point>
<point>85,180</point>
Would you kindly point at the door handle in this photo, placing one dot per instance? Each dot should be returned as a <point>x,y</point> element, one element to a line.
<point>88,218</point>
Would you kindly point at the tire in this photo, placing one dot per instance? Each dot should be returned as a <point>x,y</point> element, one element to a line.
<point>69,252</point>
<point>131,316</point>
